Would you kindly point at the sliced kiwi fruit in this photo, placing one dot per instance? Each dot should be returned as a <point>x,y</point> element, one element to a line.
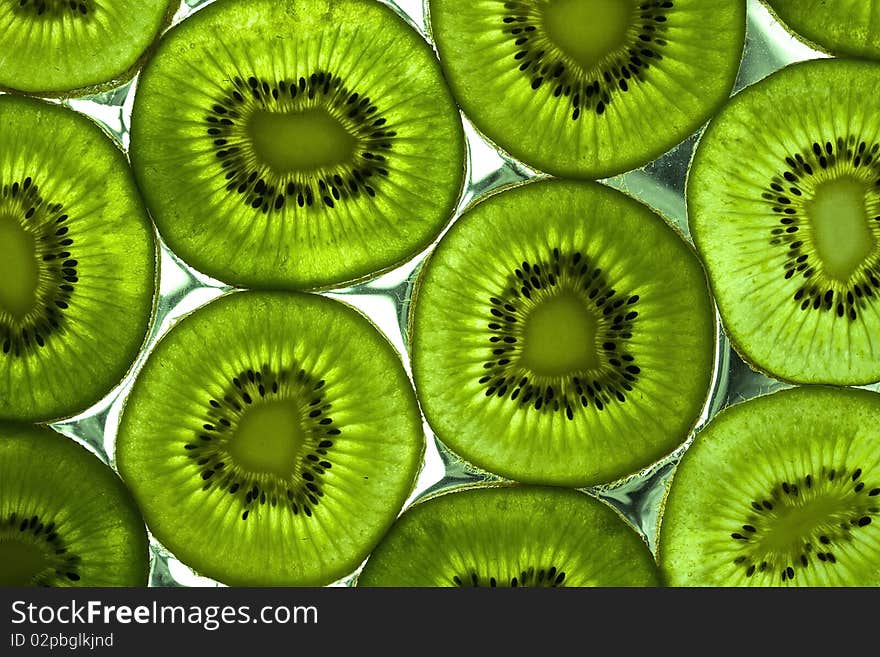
<point>848,28</point>
<point>511,536</point>
<point>780,490</point>
<point>77,262</point>
<point>66,519</point>
<point>562,333</point>
<point>299,145</point>
<point>271,439</point>
<point>73,47</point>
<point>787,220</point>
<point>589,88</point>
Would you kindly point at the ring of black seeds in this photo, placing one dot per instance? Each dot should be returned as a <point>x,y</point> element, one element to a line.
<point>53,8</point>
<point>303,491</point>
<point>820,543</point>
<point>531,577</point>
<point>266,190</point>
<point>58,276</point>
<point>543,63</point>
<point>785,196</point>
<point>530,284</point>
<point>43,537</point>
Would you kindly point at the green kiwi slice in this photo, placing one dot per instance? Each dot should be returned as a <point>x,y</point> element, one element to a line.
<point>780,490</point>
<point>549,327</point>
<point>589,88</point>
<point>72,47</point>
<point>849,28</point>
<point>787,220</point>
<point>513,536</point>
<point>271,439</point>
<point>66,519</point>
<point>77,262</point>
<point>296,144</point>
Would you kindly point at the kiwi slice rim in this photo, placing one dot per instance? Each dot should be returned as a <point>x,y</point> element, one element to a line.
<point>595,88</point>
<point>788,195</point>
<point>510,464</point>
<point>323,458</point>
<point>509,511</point>
<point>364,139</point>
<point>77,499</point>
<point>98,83</point>
<point>799,495</point>
<point>65,244</point>
<point>828,36</point>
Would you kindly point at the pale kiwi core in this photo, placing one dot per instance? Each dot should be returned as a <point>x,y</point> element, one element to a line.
<point>268,439</point>
<point>839,219</point>
<point>588,30</point>
<point>19,270</point>
<point>20,562</point>
<point>301,141</point>
<point>560,337</point>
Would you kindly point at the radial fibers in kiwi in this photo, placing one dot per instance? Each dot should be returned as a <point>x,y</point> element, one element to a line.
<point>848,28</point>
<point>77,262</point>
<point>787,220</point>
<point>271,439</point>
<point>589,88</point>
<point>296,144</point>
<point>66,519</point>
<point>562,333</point>
<point>781,490</point>
<point>514,536</point>
<point>67,47</point>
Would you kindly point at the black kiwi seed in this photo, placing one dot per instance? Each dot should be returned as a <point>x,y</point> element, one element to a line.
<point>207,447</point>
<point>54,8</point>
<point>617,311</point>
<point>784,196</point>
<point>540,60</point>
<point>268,191</point>
<point>47,223</point>
<point>528,577</point>
<point>42,536</point>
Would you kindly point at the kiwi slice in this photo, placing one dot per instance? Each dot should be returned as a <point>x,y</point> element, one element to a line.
<point>787,220</point>
<point>77,262</point>
<point>589,88</point>
<point>511,536</point>
<point>71,47</point>
<point>780,490</point>
<point>66,519</point>
<point>296,144</point>
<point>562,333</point>
<point>838,27</point>
<point>271,439</point>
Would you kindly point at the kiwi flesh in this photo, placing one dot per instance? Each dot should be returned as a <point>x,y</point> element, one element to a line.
<point>589,88</point>
<point>66,519</point>
<point>562,333</point>
<point>77,262</point>
<point>297,145</point>
<point>845,28</point>
<point>511,536</point>
<point>74,47</point>
<point>271,438</point>
<point>787,221</point>
<point>780,490</point>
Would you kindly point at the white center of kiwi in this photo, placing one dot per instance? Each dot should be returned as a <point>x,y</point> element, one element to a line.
<point>268,439</point>
<point>839,219</point>
<point>560,337</point>
<point>19,269</point>
<point>302,141</point>
<point>20,562</point>
<point>588,30</point>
